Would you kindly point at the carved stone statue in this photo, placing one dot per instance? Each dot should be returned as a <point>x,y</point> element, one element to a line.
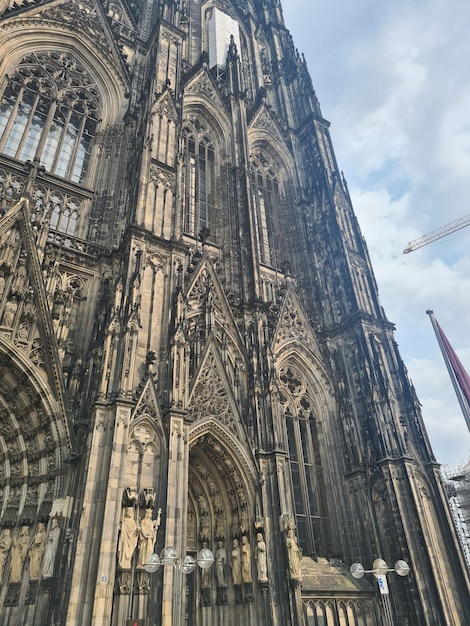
<point>132,496</point>
<point>246,560</point>
<point>36,549</point>
<point>220,560</point>
<point>149,496</point>
<point>235,563</point>
<point>18,554</point>
<point>10,312</point>
<point>2,284</point>
<point>5,545</point>
<point>51,549</point>
<point>205,573</point>
<point>261,561</point>
<point>147,536</point>
<point>294,556</point>
<point>128,538</point>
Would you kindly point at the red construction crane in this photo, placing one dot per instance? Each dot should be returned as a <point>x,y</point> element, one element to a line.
<point>437,234</point>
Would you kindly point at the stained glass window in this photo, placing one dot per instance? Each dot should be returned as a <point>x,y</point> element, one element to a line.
<point>49,111</point>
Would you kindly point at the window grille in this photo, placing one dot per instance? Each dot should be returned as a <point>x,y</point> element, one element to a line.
<point>267,208</point>
<point>304,454</point>
<point>49,111</point>
<point>199,183</point>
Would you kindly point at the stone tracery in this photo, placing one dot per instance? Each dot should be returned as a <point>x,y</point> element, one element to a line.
<point>58,107</point>
<point>210,398</point>
<point>302,425</point>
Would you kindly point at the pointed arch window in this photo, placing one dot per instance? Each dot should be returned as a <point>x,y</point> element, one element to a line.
<point>308,485</point>
<point>199,185</point>
<point>267,206</point>
<point>49,111</point>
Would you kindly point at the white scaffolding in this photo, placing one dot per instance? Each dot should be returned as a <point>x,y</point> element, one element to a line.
<point>457,482</point>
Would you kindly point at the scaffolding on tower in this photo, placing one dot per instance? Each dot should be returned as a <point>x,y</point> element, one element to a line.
<point>457,484</point>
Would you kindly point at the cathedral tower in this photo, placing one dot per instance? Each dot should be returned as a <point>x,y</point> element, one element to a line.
<point>192,349</point>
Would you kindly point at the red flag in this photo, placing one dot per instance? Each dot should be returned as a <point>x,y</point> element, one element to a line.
<point>461,375</point>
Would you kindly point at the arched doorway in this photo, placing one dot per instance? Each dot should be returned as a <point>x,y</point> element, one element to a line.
<point>221,512</point>
<point>34,445</point>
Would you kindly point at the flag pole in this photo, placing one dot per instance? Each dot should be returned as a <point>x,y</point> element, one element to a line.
<point>464,404</point>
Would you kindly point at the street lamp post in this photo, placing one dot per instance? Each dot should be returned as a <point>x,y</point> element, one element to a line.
<point>184,566</point>
<point>380,569</point>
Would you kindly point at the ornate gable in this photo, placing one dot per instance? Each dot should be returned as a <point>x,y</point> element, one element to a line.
<point>264,121</point>
<point>205,297</point>
<point>203,85</point>
<point>165,107</point>
<point>295,341</point>
<point>210,396</point>
<point>146,425</point>
<point>218,430</point>
<point>85,18</point>
<point>147,403</point>
<point>293,326</point>
<point>118,12</point>
<point>25,317</point>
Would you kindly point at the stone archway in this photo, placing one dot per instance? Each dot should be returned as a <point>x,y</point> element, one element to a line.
<point>34,442</point>
<point>34,445</point>
<point>221,516</point>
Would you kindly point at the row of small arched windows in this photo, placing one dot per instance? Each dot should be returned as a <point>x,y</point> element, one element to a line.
<point>358,613</point>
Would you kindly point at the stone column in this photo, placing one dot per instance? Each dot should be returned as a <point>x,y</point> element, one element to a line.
<point>177,503</point>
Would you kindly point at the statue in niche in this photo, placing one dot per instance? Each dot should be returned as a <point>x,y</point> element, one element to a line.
<point>51,549</point>
<point>149,496</point>
<point>2,284</point>
<point>5,545</point>
<point>58,307</point>
<point>220,525</point>
<point>203,505</point>
<point>206,591</point>
<point>217,502</point>
<point>18,554</point>
<point>19,278</point>
<point>261,561</point>
<point>128,538</point>
<point>294,556</point>
<point>220,560</point>
<point>235,563</point>
<point>147,536</point>
<point>246,560</point>
<point>205,573</point>
<point>36,549</point>
<point>205,529</point>
<point>244,520</point>
<point>10,312</point>
<point>132,496</point>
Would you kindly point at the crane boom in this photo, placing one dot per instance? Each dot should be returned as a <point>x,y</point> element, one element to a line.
<point>437,234</point>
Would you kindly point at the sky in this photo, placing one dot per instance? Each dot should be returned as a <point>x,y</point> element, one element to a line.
<point>392,78</point>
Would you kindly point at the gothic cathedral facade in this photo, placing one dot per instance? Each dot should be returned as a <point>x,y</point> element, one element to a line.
<point>192,349</point>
